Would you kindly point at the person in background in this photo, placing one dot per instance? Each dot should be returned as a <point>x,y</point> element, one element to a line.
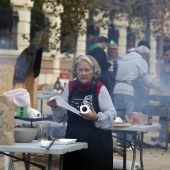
<point>113,57</point>
<point>163,70</point>
<point>93,128</point>
<point>131,49</point>
<point>140,90</point>
<point>145,43</point>
<point>97,51</point>
<point>131,67</point>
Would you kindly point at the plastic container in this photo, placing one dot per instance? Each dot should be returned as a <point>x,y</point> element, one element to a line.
<point>137,118</point>
<point>43,131</point>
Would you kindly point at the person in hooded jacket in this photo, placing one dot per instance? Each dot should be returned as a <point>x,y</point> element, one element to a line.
<point>141,91</point>
<point>131,67</point>
<point>93,128</point>
<point>97,51</point>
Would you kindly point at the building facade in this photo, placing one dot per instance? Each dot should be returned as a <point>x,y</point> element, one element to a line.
<point>54,64</point>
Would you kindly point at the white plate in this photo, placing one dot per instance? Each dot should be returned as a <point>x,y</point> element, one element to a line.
<point>45,143</point>
<point>64,141</point>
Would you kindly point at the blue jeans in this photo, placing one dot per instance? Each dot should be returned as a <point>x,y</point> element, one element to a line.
<point>124,105</point>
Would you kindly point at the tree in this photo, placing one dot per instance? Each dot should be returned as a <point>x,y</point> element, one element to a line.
<point>74,11</point>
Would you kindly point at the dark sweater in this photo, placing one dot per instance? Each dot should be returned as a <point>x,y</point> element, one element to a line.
<point>99,54</point>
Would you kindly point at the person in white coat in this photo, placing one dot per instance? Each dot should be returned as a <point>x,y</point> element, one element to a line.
<point>131,68</point>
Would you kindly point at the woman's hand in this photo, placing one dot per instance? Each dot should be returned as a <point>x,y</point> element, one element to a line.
<point>52,103</point>
<point>92,116</point>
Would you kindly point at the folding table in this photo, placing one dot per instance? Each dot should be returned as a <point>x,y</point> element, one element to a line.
<point>34,147</point>
<point>135,130</point>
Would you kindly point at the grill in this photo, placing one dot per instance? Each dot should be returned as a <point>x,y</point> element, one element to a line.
<point>162,109</point>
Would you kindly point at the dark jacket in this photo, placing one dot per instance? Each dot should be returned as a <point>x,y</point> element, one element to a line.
<point>99,54</point>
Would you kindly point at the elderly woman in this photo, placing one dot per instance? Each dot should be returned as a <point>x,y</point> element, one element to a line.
<point>93,128</point>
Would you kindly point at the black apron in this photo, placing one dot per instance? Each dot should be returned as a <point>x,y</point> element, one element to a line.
<point>99,155</point>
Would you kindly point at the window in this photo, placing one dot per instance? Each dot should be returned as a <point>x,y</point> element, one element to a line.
<point>69,33</point>
<point>131,38</point>
<point>39,27</point>
<point>8,28</point>
<point>113,34</point>
<point>92,32</point>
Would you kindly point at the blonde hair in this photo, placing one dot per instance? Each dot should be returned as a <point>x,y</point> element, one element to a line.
<point>90,60</point>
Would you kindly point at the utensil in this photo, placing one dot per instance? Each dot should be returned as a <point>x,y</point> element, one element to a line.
<point>51,144</point>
